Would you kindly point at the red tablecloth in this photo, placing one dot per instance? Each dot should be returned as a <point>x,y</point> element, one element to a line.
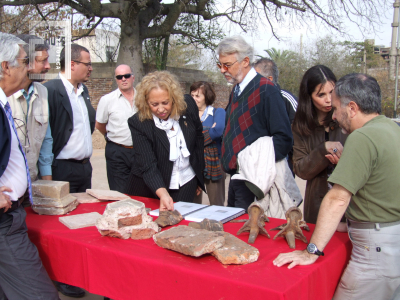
<point>139,269</point>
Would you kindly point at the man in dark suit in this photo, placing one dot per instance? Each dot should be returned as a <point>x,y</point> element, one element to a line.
<point>22,275</point>
<point>72,120</point>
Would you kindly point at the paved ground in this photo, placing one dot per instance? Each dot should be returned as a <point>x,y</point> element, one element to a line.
<point>99,181</point>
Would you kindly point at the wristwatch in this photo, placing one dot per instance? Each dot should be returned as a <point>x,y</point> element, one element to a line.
<point>312,249</point>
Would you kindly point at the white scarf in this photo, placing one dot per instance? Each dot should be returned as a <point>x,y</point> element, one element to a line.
<point>177,143</point>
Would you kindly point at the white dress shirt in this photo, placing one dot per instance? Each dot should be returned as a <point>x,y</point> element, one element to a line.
<point>249,77</point>
<point>14,176</point>
<point>115,110</point>
<point>79,145</point>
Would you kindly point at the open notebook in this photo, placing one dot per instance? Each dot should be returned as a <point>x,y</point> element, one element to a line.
<point>198,212</point>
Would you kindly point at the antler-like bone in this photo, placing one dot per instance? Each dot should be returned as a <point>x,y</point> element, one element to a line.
<point>255,224</point>
<point>292,229</point>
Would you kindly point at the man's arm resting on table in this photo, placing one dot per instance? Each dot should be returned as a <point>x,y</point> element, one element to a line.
<point>101,127</point>
<point>332,208</point>
<point>5,201</point>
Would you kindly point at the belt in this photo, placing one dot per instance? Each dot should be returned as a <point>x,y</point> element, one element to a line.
<point>369,225</point>
<point>82,161</point>
<point>128,147</point>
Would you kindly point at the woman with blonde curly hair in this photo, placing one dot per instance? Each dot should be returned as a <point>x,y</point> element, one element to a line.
<point>168,142</point>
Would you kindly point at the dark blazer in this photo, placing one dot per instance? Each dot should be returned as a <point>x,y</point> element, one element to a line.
<point>5,141</point>
<point>152,168</point>
<point>61,118</point>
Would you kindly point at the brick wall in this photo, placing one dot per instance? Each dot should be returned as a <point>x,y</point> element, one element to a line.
<point>102,80</point>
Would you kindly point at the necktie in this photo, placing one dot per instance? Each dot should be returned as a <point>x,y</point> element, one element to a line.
<point>10,118</point>
<point>236,92</point>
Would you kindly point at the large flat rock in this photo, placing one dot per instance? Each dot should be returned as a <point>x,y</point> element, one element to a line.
<point>107,195</point>
<point>80,221</point>
<point>189,241</point>
<point>85,198</point>
<point>50,189</point>
<point>53,202</point>
<point>42,210</point>
<point>235,251</point>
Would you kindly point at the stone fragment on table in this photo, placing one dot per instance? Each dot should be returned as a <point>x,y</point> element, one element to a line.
<point>80,221</point>
<point>107,195</point>
<point>189,241</point>
<point>207,224</point>
<point>85,198</point>
<point>53,202</point>
<point>169,218</point>
<point>120,218</point>
<point>144,231</point>
<point>42,210</point>
<point>235,251</point>
<point>50,189</point>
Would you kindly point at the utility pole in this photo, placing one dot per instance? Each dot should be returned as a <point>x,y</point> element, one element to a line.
<point>393,50</point>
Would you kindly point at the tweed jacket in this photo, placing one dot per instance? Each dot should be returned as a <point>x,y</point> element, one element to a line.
<point>310,163</point>
<point>61,118</point>
<point>152,168</point>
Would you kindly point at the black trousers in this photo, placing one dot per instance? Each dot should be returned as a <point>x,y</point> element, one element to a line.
<point>79,175</point>
<point>22,274</point>
<point>239,194</point>
<point>119,162</point>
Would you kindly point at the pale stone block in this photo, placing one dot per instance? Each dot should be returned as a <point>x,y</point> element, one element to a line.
<point>85,198</point>
<point>55,210</point>
<point>107,195</point>
<point>50,189</point>
<point>189,241</point>
<point>80,221</point>
<point>235,251</point>
<point>53,202</point>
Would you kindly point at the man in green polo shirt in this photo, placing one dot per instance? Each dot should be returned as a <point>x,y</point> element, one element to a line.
<point>367,189</point>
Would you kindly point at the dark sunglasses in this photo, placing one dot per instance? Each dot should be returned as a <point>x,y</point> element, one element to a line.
<point>119,77</point>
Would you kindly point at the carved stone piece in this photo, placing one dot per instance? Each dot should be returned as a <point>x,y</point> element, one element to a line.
<point>122,217</point>
<point>211,225</point>
<point>292,229</point>
<point>235,251</point>
<point>143,233</point>
<point>167,218</point>
<point>189,241</point>
<point>255,224</point>
<point>50,189</point>
<point>107,195</point>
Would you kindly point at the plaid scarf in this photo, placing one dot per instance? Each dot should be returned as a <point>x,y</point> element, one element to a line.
<point>212,168</point>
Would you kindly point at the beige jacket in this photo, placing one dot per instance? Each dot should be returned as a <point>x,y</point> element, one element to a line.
<point>32,134</point>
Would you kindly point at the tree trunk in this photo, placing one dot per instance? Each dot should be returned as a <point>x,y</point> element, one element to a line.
<point>164,57</point>
<point>130,51</point>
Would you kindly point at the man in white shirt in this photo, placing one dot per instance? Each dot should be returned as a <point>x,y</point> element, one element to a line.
<point>30,109</point>
<point>22,275</point>
<point>72,119</point>
<point>112,116</point>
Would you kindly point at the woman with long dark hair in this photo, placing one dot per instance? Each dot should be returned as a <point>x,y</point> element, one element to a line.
<point>318,140</point>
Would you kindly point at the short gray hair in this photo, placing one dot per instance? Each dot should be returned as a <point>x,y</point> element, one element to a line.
<point>235,44</point>
<point>362,89</point>
<point>268,68</point>
<point>9,50</point>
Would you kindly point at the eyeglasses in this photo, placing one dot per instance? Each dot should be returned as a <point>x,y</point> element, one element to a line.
<point>126,76</point>
<point>25,60</point>
<point>225,67</point>
<point>89,64</point>
<point>21,125</point>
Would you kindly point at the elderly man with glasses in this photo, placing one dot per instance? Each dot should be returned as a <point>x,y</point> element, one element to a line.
<point>22,275</point>
<point>112,116</point>
<point>30,109</point>
<point>72,120</point>
<point>255,110</point>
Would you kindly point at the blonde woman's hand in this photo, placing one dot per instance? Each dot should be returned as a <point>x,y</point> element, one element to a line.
<point>166,201</point>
